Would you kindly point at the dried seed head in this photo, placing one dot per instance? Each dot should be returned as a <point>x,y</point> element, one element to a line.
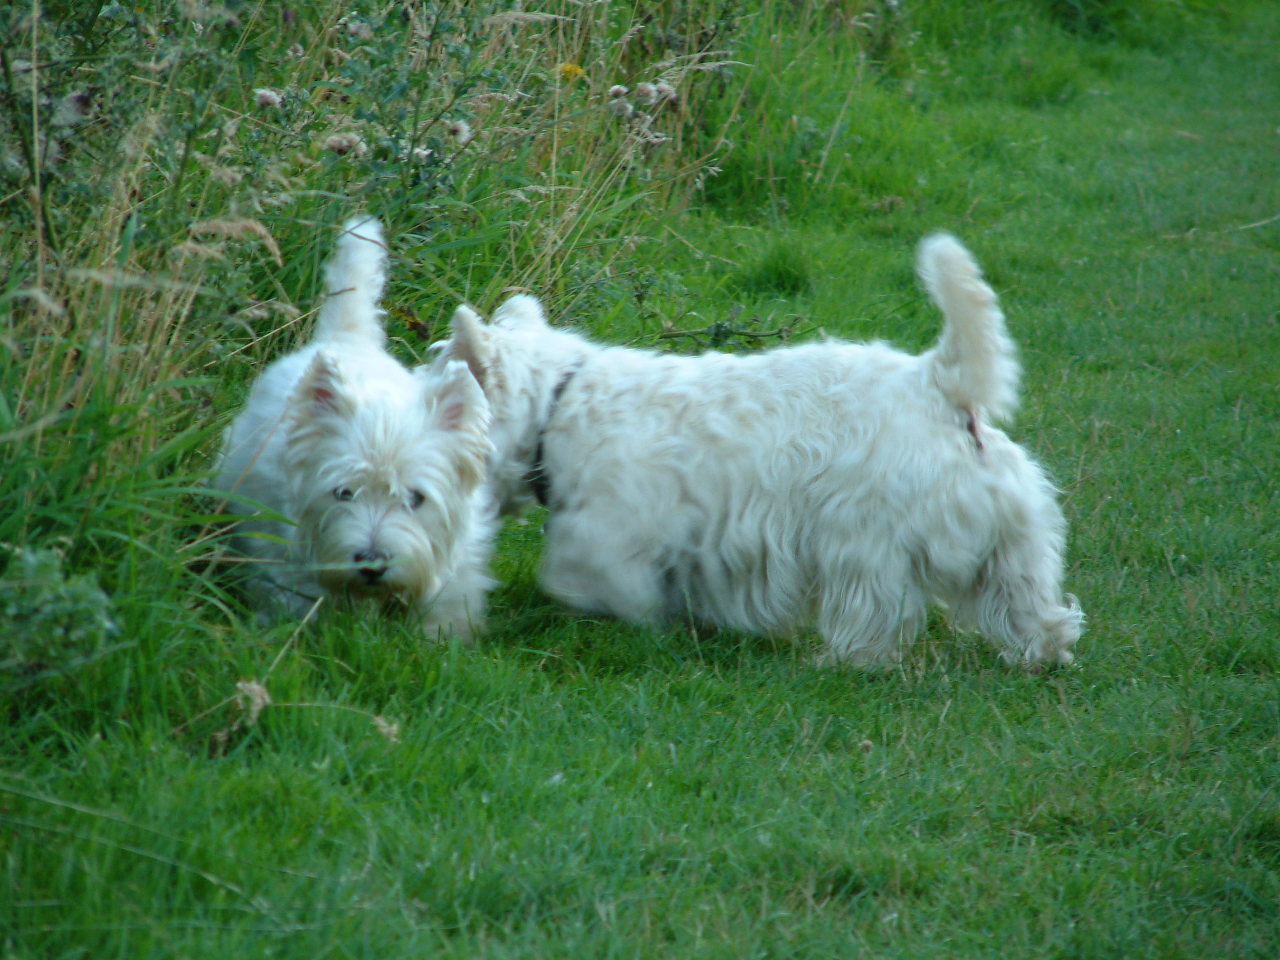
<point>389,730</point>
<point>621,109</point>
<point>252,698</point>
<point>72,110</point>
<point>617,91</point>
<point>646,94</point>
<point>356,29</point>
<point>228,176</point>
<point>460,130</point>
<point>267,98</point>
<point>346,143</point>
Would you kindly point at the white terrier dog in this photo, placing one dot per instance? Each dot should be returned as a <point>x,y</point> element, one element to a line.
<point>837,483</point>
<point>376,473</point>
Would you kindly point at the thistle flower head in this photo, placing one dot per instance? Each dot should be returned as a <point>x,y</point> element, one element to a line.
<point>267,98</point>
<point>617,91</point>
<point>72,110</point>
<point>646,94</point>
<point>346,143</point>
<point>356,28</point>
<point>460,131</point>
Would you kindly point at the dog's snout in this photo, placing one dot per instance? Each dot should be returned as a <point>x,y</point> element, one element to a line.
<point>372,564</point>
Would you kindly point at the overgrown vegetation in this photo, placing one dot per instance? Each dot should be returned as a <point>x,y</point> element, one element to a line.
<point>179,780</point>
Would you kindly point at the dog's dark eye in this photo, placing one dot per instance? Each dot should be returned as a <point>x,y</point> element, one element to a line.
<point>415,499</point>
<point>343,493</point>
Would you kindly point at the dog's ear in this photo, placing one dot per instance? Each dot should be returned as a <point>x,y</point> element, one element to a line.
<point>457,405</point>
<point>522,310</point>
<point>470,344</point>
<point>457,402</point>
<point>322,390</point>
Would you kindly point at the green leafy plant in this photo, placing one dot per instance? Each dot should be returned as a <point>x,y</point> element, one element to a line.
<point>52,623</point>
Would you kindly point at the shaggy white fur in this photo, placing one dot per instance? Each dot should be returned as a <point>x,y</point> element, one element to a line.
<point>371,475</point>
<point>846,485</point>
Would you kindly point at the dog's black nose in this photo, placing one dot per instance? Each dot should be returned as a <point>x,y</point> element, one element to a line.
<point>372,564</point>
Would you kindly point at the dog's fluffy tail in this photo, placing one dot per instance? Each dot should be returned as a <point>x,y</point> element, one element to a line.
<point>354,279</point>
<point>975,363</point>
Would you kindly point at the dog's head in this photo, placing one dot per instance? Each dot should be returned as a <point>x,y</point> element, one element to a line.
<point>518,359</point>
<point>384,474</point>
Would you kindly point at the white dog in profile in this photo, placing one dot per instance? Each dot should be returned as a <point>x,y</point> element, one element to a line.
<point>374,472</point>
<point>837,484</point>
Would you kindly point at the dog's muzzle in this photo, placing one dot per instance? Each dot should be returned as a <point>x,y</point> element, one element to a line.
<point>373,564</point>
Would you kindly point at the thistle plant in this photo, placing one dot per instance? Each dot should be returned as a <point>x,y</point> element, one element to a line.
<point>159,162</point>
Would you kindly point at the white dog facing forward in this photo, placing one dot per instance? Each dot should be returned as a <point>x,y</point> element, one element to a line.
<point>837,484</point>
<point>375,472</point>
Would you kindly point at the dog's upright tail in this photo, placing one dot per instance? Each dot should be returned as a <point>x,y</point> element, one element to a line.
<point>975,363</point>
<point>354,278</point>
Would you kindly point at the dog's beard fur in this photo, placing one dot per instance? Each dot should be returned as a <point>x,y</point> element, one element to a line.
<point>846,485</point>
<point>376,472</point>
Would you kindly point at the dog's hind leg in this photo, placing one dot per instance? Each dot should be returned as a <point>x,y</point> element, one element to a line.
<point>1018,604</point>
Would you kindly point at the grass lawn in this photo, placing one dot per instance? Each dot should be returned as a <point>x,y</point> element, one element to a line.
<point>572,787</point>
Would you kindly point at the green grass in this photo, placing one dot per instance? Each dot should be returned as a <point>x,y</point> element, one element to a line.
<point>578,788</point>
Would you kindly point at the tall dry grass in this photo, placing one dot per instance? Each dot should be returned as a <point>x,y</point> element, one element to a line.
<point>170,176</point>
